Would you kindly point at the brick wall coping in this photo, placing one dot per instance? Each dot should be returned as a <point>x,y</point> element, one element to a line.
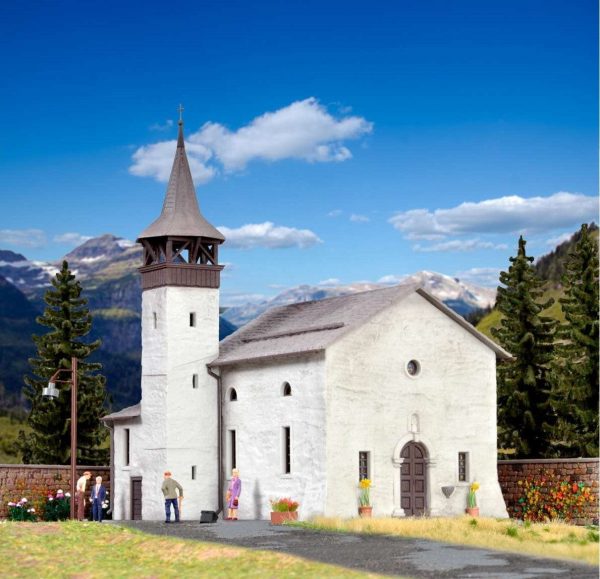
<point>48,466</point>
<point>547,460</point>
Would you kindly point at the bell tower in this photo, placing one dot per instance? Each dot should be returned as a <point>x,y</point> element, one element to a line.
<point>180,335</point>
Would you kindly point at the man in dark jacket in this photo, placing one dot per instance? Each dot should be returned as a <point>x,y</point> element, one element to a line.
<point>97,497</point>
<point>169,489</point>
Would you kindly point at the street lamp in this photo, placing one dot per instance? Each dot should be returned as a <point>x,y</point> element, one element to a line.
<point>52,392</point>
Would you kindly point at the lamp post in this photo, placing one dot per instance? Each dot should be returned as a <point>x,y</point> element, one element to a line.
<point>52,392</point>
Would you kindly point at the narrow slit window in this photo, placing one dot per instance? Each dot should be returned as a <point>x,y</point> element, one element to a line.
<point>287,450</point>
<point>127,442</point>
<point>232,450</point>
<point>154,320</point>
<point>363,465</point>
<point>463,466</point>
<point>194,380</point>
<point>192,319</point>
<point>194,472</point>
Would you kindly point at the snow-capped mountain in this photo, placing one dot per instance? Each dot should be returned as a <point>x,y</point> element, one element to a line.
<point>462,297</point>
<point>28,276</point>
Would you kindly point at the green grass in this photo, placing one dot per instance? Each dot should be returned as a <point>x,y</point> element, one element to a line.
<point>115,314</point>
<point>49,550</point>
<point>554,540</point>
<point>9,431</point>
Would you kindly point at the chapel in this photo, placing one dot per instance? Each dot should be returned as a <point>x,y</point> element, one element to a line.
<point>306,400</point>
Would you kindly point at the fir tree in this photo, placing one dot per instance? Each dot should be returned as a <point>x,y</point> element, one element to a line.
<point>69,320</point>
<point>524,382</point>
<point>575,387</point>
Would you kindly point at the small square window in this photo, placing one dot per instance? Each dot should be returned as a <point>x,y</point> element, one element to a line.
<point>192,319</point>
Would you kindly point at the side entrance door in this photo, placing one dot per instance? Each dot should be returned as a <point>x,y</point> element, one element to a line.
<point>136,498</point>
<point>413,480</point>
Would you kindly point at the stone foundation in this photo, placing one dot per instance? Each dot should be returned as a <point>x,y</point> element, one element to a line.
<point>35,482</point>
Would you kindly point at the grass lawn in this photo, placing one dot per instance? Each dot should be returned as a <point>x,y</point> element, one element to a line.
<point>91,550</point>
<point>557,540</point>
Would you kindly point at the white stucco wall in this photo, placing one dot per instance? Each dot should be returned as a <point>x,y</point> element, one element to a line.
<point>178,426</point>
<point>258,417</point>
<point>374,405</point>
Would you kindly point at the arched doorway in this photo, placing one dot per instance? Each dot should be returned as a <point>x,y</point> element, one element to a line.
<point>413,479</point>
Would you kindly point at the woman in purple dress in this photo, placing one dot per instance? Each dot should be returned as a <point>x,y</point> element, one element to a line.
<point>233,495</point>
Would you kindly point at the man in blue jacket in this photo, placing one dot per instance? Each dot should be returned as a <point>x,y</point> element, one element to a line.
<point>97,496</point>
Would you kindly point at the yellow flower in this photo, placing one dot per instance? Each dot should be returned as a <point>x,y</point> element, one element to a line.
<point>365,483</point>
<point>474,487</point>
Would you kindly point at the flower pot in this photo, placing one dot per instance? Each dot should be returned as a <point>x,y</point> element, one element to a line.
<point>279,517</point>
<point>472,511</point>
<point>365,511</point>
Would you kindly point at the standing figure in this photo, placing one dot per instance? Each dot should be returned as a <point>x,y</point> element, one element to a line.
<point>169,489</point>
<point>97,497</point>
<point>80,494</point>
<point>233,495</point>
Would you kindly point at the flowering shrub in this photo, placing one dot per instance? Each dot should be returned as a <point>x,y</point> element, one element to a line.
<point>471,497</point>
<point>21,511</point>
<point>284,505</point>
<point>364,498</point>
<point>546,497</point>
<point>58,508</point>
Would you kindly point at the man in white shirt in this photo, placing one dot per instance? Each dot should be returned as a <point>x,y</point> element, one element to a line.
<point>80,494</point>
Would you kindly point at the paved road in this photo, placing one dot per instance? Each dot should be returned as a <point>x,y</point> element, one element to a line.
<point>379,554</point>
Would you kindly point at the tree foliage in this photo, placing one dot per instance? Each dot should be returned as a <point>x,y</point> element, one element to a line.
<point>575,376</point>
<point>68,321</point>
<point>524,382</point>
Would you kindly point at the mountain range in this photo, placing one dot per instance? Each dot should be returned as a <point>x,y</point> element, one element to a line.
<point>107,268</point>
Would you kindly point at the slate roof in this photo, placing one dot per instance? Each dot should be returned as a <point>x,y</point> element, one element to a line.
<point>180,214</point>
<point>312,326</point>
<point>125,414</point>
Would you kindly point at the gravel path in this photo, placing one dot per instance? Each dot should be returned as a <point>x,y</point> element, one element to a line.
<point>379,554</point>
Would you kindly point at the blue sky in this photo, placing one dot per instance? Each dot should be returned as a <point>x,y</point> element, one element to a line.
<point>331,140</point>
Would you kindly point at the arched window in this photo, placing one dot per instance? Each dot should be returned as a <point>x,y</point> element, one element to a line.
<point>287,389</point>
<point>232,395</point>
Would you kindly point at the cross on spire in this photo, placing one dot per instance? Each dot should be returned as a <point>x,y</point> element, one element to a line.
<point>180,109</point>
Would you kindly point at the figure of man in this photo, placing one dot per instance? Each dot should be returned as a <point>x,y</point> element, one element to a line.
<point>97,497</point>
<point>80,494</point>
<point>169,489</point>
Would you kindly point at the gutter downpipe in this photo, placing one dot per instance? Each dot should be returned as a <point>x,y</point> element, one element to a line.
<point>111,501</point>
<point>217,377</point>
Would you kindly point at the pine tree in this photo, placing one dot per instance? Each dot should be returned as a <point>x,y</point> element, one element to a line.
<point>524,382</point>
<point>69,320</point>
<point>575,387</point>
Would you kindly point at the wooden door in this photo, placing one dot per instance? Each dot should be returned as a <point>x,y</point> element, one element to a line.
<point>136,498</point>
<point>413,480</point>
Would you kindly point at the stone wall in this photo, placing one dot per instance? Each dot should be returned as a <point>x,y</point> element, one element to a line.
<point>36,481</point>
<point>585,470</point>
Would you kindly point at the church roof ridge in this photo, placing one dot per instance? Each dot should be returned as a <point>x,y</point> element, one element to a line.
<point>180,215</point>
<point>309,327</point>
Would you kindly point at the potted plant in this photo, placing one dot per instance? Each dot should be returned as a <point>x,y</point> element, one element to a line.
<point>472,508</point>
<point>365,509</point>
<point>283,510</point>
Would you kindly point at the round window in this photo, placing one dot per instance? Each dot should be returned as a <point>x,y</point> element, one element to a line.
<point>413,368</point>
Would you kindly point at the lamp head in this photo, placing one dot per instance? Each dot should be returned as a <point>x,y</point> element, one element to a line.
<point>51,391</point>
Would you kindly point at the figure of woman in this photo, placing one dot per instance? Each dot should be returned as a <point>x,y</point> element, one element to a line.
<point>233,495</point>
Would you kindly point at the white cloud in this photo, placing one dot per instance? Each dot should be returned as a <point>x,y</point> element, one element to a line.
<point>302,130</point>
<point>485,276</point>
<point>23,237</point>
<point>335,213</point>
<point>554,241</point>
<point>391,279</point>
<point>359,218</point>
<point>71,238</point>
<point>168,124</point>
<point>332,281</point>
<point>459,245</point>
<point>502,215</point>
<point>268,235</point>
